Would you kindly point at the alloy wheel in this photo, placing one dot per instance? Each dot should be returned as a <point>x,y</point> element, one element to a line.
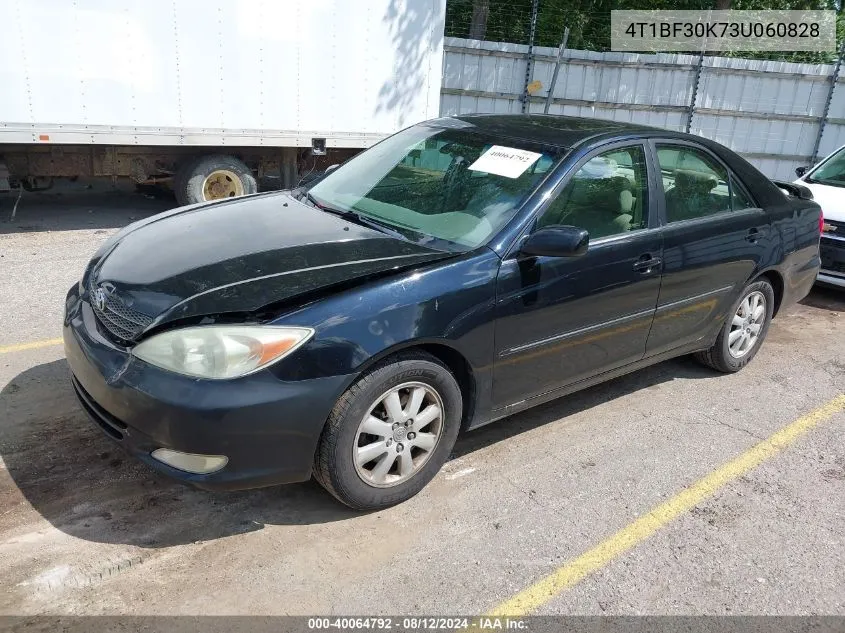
<point>398,434</point>
<point>747,324</point>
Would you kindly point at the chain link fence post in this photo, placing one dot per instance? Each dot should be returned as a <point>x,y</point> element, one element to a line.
<point>694,98</point>
<point>552,85</point>
<point>529,66</point>
<point>696,82</point>
<point>834,77</point>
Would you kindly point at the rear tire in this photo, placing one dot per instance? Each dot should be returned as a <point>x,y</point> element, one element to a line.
<point>368,442</point>
<point>215,177</point>
<point>743,332</point>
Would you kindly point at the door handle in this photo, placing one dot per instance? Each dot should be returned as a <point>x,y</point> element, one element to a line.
<point>646,263</point>
<point>753,235</point>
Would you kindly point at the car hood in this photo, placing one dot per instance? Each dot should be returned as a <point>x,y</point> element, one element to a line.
<point>239,256</point>
<point>830,199</point>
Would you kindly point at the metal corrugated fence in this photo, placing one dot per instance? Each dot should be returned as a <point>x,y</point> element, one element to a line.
<point>768,111</point>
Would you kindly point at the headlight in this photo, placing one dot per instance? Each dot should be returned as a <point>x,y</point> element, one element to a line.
<point>221,351</point>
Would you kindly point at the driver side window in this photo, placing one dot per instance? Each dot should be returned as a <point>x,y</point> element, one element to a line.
<point>608,195</point>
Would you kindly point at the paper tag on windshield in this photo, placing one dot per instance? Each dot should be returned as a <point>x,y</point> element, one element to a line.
<point>505,161</point>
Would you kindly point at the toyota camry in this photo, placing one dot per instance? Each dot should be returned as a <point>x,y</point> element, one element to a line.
<point>460,271</point>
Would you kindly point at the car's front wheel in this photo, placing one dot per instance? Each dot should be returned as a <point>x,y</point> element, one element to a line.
<point>390,433</point>
<point>743,331</point>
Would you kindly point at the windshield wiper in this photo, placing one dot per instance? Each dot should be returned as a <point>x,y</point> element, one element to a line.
<point>357,218</point>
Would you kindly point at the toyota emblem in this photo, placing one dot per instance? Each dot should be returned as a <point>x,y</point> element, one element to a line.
<point>100,299</point>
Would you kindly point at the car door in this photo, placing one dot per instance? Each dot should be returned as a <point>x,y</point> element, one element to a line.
<point>563,319</point>
<point>714,237</point>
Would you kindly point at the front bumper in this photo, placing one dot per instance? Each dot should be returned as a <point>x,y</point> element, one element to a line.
<point>267,428</point>
<point>832,251</point>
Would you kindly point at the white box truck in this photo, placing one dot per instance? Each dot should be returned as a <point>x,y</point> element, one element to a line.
<point>208,95</point>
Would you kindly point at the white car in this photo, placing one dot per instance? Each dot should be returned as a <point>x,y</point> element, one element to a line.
<point>827,182</point>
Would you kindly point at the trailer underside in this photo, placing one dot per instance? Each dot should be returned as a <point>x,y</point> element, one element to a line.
<point>35,167</point>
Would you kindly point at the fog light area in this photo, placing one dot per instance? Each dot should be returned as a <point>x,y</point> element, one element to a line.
<point>190,462</point>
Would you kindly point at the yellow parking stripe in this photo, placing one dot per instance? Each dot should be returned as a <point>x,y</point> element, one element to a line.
<point>6,349</point>
<point>546,589</point>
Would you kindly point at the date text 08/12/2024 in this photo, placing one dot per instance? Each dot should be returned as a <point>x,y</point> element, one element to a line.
<point>417,623</point>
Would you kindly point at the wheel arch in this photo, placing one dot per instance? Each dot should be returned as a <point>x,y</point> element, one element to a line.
<point>775,279</point>
<point>447,354</point>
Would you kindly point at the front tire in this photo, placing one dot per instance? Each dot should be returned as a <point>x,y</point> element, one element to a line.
<point>744,330</point>
<point>390,433</point>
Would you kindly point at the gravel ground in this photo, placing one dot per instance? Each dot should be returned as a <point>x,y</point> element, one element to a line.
<point>86,530</point>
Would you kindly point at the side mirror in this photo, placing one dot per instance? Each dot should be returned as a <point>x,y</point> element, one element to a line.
<point>800,171</point>
<point>557,241</point>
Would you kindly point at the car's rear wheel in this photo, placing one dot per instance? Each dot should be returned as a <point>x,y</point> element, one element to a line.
<point>390,433</point>
<point>743,331</point>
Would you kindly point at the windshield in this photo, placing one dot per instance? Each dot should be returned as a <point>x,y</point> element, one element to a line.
<point>832,171</point>
<point>447,188</point>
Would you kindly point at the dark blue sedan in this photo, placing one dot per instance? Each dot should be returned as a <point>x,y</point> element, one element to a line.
<point>457,272</point>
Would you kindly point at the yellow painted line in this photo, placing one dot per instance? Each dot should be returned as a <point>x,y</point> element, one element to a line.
<point>7,349</point>
<point>574,571</point>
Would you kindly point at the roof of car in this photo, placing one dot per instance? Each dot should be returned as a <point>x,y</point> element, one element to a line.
<point>568,132</point>
<point>564,131</point>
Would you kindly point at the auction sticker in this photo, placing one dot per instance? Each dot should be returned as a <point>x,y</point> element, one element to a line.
<point>505,161</point>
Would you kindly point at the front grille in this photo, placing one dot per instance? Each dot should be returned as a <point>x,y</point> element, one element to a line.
<point>836,267</point>
<point>120,321</point>
<point>838,229</point>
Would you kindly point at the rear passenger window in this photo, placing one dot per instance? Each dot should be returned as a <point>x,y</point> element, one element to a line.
<point>606,196</point>
<point>694,184</point>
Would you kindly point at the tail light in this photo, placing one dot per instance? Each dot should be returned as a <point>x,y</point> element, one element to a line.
<point>821,222</point>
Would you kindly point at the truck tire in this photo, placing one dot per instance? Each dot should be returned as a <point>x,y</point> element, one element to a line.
<point>215,177</point>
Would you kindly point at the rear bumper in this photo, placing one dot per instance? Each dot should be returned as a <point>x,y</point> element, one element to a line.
<point>832,252</point>
<point>267,428</point>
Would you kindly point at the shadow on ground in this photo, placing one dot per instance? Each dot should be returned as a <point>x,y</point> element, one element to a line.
<point>87,487</point>
<point>80,209</point>
<point>826,298</point>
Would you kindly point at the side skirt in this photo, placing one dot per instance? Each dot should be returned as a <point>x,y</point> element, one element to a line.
<point>522,405</point>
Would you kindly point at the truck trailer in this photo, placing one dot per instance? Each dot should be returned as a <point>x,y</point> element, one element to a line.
<point>210,97</point>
